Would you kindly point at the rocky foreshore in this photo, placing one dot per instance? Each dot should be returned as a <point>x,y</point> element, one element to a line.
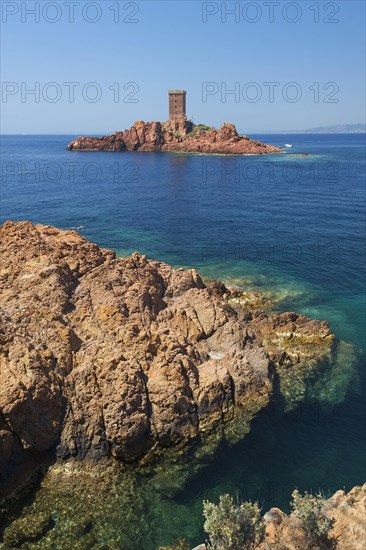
<point>182,136</point>
<point>346,513</point>
<point>107,357</point>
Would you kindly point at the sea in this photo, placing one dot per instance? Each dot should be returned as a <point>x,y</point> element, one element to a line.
<point>290,224</point>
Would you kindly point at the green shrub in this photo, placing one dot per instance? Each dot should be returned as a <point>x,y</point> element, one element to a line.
<point>198,128</point>
<point>204,127</point>
<point>310,509</point>
<point>232,526</point>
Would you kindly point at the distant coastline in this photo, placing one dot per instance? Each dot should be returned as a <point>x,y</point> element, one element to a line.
<point>334,129</point>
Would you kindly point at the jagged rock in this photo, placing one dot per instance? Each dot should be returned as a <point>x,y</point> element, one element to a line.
<point>347,510</point>
<point>348,532</point>
<point>104,356</point>
<point>181,136</point>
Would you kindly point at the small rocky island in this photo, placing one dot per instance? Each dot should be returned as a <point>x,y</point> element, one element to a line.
<point>178,134</point>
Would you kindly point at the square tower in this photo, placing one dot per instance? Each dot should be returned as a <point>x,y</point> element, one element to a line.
<point>177,104</point>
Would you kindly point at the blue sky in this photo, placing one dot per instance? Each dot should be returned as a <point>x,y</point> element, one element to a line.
<point>170,46</point>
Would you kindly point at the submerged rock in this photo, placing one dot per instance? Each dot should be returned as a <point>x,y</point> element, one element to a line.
<point>124,357</point>
<point>28,529</point>
<point>181,136</point>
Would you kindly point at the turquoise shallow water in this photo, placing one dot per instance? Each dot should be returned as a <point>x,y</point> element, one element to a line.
<point>288,223</point>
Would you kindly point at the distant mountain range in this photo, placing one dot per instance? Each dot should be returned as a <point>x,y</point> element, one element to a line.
<point>338,129</point>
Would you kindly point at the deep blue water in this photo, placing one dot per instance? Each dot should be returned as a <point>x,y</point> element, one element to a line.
<point>294,224</point>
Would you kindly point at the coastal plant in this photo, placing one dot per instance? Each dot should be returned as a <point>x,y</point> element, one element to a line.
<point>201,128</point>
<point>231,525</point>
<point>311,511</point>
<point>204,127</point>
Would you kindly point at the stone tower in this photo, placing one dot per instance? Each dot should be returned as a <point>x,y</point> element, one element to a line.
<point>177,104</point>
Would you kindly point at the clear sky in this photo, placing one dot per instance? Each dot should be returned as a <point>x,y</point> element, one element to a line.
<point>150,46</point>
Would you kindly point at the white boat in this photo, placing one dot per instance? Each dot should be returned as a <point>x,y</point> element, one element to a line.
<point>288,145</point>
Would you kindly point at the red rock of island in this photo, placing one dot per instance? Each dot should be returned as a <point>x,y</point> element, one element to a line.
<point>180,136</point>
